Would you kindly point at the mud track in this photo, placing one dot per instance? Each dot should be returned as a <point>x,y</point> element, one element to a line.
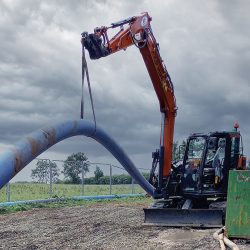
<point>100,226</point>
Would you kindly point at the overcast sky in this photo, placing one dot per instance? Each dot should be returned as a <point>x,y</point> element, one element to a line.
<point>205,46</point>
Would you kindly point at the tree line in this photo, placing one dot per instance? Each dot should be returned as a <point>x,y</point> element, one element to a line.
<point>115,179</point>
<point>75,167</point>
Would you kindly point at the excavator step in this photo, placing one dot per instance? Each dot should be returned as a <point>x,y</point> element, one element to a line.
<point>171,217</point>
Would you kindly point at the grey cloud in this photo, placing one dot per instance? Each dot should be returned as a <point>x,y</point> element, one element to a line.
<point>205,46</point>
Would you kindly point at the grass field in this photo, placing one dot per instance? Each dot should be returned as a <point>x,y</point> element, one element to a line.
<point>127,201</point>
<point>33,191</point>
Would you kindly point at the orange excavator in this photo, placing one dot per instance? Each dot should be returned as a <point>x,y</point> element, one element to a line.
<point>139,33</point>
<point>192,192</point>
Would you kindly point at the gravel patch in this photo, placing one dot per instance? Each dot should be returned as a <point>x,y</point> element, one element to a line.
<point>101,226</point>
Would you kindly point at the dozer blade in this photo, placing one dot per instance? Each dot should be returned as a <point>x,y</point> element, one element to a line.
<point>171,217</point>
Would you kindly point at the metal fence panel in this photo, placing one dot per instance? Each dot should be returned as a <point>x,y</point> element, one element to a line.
<point>51,187</point>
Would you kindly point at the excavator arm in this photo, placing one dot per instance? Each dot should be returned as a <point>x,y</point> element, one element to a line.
<point>139,33</point>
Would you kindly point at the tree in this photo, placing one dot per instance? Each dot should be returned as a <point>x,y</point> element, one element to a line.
<point>98,174</point>
<point>42,171</point>
<point>73,166</point>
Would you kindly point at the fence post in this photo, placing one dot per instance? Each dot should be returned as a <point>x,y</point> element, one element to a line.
<point>8,192</point>
<point>133,186</point>
<point>50,179</point>
<point>110,179</point>
<point>82,189</point>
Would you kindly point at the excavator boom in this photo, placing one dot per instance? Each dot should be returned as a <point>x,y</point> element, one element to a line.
<point>139,33</point>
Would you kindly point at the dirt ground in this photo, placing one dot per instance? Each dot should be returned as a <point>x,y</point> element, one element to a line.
<point>100,226</point>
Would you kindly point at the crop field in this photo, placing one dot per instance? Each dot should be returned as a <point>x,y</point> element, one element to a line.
<point>32,191</point>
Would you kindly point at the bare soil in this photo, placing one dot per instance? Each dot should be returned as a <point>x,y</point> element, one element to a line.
<point>99,226</point>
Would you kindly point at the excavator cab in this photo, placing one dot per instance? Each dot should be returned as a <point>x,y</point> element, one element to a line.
<point>206,164</point>
<point>203,172</point>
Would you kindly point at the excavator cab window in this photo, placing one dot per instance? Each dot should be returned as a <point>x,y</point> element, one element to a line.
<point>194,155</point>
<point>235,152</point>
<point>211,150</point>
<point>218,160</point>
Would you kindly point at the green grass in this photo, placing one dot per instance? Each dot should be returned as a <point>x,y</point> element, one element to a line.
<point>33,191</point>
<point>130,201</point>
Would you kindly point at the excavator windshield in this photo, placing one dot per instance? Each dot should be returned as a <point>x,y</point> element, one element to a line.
<point>196,148</point>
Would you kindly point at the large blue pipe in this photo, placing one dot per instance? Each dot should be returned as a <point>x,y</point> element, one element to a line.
<point>16,158</point>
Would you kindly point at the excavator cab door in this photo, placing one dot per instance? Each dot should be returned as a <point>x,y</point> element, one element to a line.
<point>192,163</point>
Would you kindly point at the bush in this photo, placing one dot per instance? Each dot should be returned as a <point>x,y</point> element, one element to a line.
<point>116,179</point>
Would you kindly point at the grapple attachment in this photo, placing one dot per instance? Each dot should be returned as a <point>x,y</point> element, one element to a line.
<point>94,44</point>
